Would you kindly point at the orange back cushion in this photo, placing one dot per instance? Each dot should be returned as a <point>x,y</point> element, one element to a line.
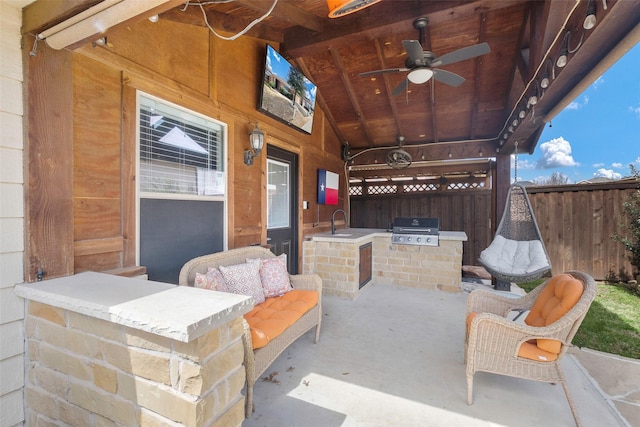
<point>559,296</point>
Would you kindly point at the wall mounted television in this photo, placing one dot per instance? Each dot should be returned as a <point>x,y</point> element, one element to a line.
<point>286,94</point>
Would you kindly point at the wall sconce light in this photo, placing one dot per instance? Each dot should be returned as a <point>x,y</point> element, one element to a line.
<point>256,139</point>
<point>153,18</point>
<point>561,61</point>
<point>590,20</point>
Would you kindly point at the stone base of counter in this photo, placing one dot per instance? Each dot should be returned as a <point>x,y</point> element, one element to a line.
<point>428,267</point>
<point>86,371</point>
<point>336,263</point>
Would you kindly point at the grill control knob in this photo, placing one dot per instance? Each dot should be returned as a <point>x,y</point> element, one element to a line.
<point>428,239</point>
<point>419,239</point>
<point>409,239</point>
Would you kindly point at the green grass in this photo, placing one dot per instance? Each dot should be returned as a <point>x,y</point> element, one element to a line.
<point>612,324</point>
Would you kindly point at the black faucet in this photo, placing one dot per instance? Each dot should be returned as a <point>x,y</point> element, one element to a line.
<point>333,220</point>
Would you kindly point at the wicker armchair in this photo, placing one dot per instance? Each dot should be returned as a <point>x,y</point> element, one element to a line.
<point>493,342</point>
<point>257,361</point>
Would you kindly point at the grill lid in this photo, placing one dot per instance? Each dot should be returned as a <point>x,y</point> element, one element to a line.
<point>406,225</point>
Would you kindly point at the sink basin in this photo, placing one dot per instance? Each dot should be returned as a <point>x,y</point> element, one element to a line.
<point>341,235</point>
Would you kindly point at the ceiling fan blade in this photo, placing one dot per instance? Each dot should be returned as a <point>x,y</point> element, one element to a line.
<point>447,77</point>
<point>461,54</point>
<point>414,50</point>
<point>385,71</point>
<point>401,87</point>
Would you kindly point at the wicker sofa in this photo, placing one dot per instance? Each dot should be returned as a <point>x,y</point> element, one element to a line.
<point>257,361</point>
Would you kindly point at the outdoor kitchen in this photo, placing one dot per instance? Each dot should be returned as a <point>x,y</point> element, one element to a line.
<point>413,253</point>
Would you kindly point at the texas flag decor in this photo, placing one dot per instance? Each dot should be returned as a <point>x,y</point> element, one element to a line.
<point>327,187</point>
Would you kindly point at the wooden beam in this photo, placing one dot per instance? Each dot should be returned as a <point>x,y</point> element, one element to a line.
<point>351,93</point>
<point>473,120</point>
<point>385,78</point>
<point>223,23</point>
<point>321,102</point>
<point>42,14</point>
<point>386,17</point>
<point>288,12</point>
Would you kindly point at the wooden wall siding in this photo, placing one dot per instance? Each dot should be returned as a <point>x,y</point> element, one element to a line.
<point>82,143</point>
<point>576,222</point>
<point>97,173</point>
<point>179,52</point>
<point>48,164</point>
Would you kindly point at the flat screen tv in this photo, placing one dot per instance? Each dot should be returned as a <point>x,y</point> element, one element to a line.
<point>286,93</point>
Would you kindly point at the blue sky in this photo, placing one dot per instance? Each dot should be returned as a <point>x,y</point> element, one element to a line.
<point>598,134</point>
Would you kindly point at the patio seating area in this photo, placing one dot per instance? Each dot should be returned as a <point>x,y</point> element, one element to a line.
<point>394,357</point>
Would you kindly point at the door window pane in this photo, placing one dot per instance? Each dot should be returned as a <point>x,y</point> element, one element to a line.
<point>278,199</point>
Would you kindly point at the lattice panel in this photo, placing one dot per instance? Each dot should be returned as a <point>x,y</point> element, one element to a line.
<point>465,185</point>
<point>355,190</point>
<point>420,188</point>
<point>382,189</point>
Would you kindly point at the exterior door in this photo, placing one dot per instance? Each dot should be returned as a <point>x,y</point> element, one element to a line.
<point>282,202</point>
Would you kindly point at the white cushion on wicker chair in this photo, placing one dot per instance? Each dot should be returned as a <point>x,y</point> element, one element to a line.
<point>515,256</point>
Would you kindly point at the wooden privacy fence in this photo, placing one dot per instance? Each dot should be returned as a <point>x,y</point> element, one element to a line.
<point>576,221</point>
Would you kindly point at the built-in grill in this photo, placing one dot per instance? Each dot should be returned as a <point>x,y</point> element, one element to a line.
<point>416,231</point>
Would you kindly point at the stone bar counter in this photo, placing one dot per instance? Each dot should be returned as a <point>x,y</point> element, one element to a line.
<point>343,261</point>
<point>109,350</point>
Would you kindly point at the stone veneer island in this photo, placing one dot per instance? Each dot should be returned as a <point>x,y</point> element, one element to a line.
<point>338,258</point>
<point>109,350</point>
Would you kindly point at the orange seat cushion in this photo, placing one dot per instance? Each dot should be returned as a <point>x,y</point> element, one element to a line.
<point>275,314</point>
<point>559,296</point>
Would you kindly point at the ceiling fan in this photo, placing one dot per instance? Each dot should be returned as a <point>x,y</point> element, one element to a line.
<point>399,158</point>
<point>421,64</point>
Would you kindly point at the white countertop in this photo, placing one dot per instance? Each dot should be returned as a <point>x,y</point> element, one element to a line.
<point>182,313</point>
<point>358,235</point>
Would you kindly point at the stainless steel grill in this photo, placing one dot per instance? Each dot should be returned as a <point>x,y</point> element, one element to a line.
<point>416,231</point>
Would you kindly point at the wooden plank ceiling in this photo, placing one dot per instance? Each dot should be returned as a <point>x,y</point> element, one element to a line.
<point>438,122</point>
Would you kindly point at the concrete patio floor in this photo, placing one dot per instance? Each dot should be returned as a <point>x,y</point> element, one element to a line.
<point>394,357</point>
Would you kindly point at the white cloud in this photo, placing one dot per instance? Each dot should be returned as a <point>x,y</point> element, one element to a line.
<point>635,110</point>
<point>598,165</point>
<point>617,165</point>
<point>607,173</point>
<point>637,162</point>
<point>522,163</point>
<point>577,104</point>
<point>599,81</point>
<point>556,153</point>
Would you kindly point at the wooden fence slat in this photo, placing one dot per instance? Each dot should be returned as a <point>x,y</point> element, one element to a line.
<point>576,221</point>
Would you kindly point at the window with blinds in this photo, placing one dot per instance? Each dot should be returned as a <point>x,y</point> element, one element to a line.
<point>181,152</point>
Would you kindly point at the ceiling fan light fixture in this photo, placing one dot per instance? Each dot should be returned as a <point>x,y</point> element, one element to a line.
<point>420,75</point>
<point>338,8</point>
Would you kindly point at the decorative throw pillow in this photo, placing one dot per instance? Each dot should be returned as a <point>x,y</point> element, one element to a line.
<point>212,280</point>
<point>274,276</point>
<point>244,279</point>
